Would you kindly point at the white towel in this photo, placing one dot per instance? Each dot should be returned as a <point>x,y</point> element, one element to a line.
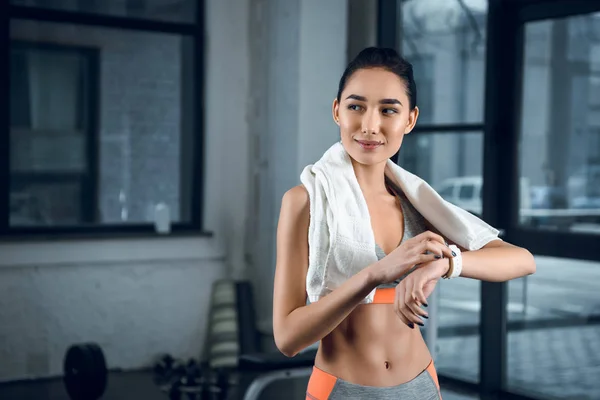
<point>341,239</point>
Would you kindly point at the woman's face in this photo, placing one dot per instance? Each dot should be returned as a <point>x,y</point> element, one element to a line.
<point>373,115</point>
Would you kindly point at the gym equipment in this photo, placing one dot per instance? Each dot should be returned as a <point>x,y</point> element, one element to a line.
<point>85,372</point>
<point>233,344</point>
<point>233,357</point>
<point>198,382</point>
<point>167,371</point>
<point>86,376</point>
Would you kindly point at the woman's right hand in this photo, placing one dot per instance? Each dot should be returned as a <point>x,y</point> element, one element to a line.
<point>423,248</point>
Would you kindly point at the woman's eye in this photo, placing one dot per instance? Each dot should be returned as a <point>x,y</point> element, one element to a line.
<point>390,111</point>
<point>354,107</point>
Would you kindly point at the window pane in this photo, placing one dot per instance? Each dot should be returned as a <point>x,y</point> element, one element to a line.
<point>449,162</point>
<point>554,335</point>
<point>47,102</point>
<point>560,126</point>
<point>39,203</point>
<point>164,10</point>
<point>103,108</point>
<point>445,42</point>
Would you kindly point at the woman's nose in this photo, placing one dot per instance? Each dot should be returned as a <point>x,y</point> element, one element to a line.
<point>371,123</point>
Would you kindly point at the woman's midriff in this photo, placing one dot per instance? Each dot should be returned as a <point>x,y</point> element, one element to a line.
<point>373,347</point>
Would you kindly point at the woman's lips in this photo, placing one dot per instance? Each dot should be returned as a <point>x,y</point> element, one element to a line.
<point>369,144</point>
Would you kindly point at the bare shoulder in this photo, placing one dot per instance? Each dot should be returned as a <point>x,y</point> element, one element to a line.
<point>295,201</point>
<point>289,292</point>
<point>294,216</point>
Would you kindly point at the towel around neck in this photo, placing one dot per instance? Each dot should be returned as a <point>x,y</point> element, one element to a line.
<point>341,240</point>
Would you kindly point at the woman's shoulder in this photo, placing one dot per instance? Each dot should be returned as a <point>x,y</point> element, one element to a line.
<point>295,200</point>
<point>294,216</point>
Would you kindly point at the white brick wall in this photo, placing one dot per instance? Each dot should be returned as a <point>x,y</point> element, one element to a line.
<point>134,310</point>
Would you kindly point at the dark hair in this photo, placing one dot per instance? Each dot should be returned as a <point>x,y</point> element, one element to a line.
<point>388,59</point>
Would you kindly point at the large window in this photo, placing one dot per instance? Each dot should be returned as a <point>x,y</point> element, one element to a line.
<point>510,131</point>
<point>559,144</point>
<point>554,336</point>
<point>103,129</point>
<point>445,43</point>
<point>438,158</point>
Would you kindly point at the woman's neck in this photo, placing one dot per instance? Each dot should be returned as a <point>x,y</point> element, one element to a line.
<point>371,178</point>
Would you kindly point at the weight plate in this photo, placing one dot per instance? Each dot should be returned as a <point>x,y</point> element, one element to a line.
<point>85,373</point>
<point>101,372</point>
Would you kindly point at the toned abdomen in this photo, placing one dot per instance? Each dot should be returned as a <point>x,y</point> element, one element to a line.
<point>373,347</point>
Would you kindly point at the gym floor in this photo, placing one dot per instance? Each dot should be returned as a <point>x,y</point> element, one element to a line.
<point>139,385</point>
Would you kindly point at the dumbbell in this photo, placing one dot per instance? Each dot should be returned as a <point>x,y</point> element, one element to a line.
<point>85,373</point>
<point>200,383</point>
<point>191,383</point>
<point>167,370</point>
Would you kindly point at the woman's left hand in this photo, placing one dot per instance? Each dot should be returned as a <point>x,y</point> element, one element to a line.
<point>414,289</point>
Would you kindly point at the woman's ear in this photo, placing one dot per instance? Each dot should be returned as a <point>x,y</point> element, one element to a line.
<point>412,120</point>
<point>335,110</point>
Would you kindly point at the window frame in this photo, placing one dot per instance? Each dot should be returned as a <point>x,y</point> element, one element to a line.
<point>575,245</point>
<point>193,31</point>
<point>501,129</point>
<point>504,85</point>
<point>87,180</point>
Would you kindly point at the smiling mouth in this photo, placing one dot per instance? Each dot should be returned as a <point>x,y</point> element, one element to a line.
<point>369,144</point>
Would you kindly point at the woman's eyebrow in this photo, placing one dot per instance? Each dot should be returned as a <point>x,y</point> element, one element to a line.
<point>382,101</point>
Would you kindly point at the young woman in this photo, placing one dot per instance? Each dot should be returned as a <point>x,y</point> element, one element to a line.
<point>372,349</point>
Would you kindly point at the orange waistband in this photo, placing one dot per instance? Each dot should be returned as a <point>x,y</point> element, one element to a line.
<point>321,383</point>
<point>384,296</point>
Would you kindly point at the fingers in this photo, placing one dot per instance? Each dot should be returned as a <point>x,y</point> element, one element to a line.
<point>431,236</point>
<point>398,304</point>
<point>425,258</point>
<point>436,248</point>
<point>431,245</point>
<point>407,306</point>
<point>411,310</point>
<point>419,297</point>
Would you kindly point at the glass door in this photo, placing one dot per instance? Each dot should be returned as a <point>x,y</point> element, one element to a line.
<point>540,335</point>
<point>553,344</point>
<point>510,100</point>
<point>446,44</point>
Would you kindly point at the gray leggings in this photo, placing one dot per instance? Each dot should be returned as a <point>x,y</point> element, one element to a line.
<point>324,386</point>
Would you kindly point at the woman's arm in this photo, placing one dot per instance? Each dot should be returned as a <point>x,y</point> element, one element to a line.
<point>497,261</point>
<point>295,324</point>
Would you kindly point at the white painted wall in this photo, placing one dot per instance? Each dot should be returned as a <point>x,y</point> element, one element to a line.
<point>133,309</point>
<point>322,59</point>
<point>299,56</point>
<point>139,297</point>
